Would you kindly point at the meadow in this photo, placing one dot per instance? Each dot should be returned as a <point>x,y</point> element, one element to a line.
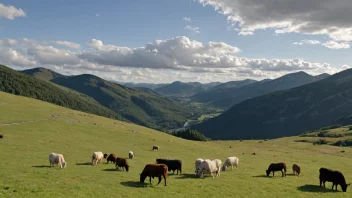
<point>25,171</point>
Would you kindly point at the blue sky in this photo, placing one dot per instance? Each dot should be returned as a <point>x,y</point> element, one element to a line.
<point>135,23</point>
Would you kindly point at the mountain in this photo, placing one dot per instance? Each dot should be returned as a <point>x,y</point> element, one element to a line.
<point>220,91</point>
<point>42,73</point>
<point>286,113</point>
<point>21,84</point>
<point>229,97</point>
<point>147,109</point>
<point>183,89</point>
<point>143,85</point>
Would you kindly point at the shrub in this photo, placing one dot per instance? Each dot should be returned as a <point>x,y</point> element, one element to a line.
<point>190,134</point>
<point>321,141</point>
<point>343,143</point>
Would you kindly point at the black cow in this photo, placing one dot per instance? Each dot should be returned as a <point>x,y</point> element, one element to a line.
<point>276,167</point>
<point>336,177</point>
<point>172,164</point>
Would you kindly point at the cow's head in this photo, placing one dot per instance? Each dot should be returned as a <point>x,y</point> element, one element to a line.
<point>142,178</point>
<point>105,156</point>
<point>157,161</point>
<point>64,164</point>
<point>344,187</point>
<point>223,167</point>
<point>267,172</point>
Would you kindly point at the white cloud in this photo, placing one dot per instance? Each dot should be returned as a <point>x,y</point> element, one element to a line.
<point>193,29</point>
<point>177,58</point>
<point>310,42</point>
<point>317,17</point>
<point>187,19</point>
<point>336,45</point>
<point>67,44</point>
<point>10,12</point>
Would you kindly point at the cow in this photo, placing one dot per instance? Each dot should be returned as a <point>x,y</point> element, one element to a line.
<point>155,147</point>
<point>172,164</point>
<point>154,170</point>
<point>97,157</point>
<point>111,158</point>
<point>230,161</point>
<point>336,177</point>
<point>276,167</point>
<point>57,159</point>
<point>197,164</point>
<point>1,136</point>
<point>130,155</point>
<point>218,164</point>
<point>207,166</point>
<point>122,163</point>
<point>296,169</point>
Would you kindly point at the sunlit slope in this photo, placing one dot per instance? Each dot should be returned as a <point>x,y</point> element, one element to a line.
<point>25,148</point>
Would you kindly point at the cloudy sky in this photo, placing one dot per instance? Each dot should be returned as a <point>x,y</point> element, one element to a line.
<point>187,40</point>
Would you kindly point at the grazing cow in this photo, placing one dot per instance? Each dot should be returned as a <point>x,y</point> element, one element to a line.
<point>111,158</point>
<point>1,136</point>
<point>57,159</point>
<point>336,177</point>
<point>172,164</point>
<point>230,161</point>
<point>155,147</point>
<point>276,167</point>
<point>130,155</point>
<point>218,164</point>
<point>296,169</point>
<point>207,166</point>
<point>105,156</point>
<point>97,157</point>
<point>154,170</point>
<point>197,164</point>
<point>122,163</point>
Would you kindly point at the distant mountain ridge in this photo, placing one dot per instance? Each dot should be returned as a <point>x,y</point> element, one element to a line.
<point>184,89</point>
<point>287,112</point>
<point>226,98</point>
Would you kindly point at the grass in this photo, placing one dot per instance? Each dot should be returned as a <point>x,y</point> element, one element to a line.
<point>204,117</point>
<point>25,148</point>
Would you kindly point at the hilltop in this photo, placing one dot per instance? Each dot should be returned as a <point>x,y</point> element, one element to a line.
<point>286,113</point>
<point>183,89</point>
<point>225,98</point>
<point>25,148</point>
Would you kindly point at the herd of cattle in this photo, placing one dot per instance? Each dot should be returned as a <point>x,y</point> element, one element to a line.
<point>202,166</point>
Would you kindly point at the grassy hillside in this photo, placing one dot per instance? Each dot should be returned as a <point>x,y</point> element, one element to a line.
<point>25,148</point>
<point>286,113</point>
<point>42,73</point>
<point>147,109</point>
<point>225,98</point>
<point>182,89</point>
<point>20,84</point>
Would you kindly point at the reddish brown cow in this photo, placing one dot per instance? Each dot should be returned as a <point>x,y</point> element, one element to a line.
<point>111,158</point>
<point>154,170</point>
<point>296,169</point>
<point>276,167</point>
<point>122,162</point>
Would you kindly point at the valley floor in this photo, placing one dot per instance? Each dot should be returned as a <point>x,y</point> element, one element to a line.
<point>25,171</point>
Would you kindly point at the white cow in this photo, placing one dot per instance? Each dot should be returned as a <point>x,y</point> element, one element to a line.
<point>57,159</point>
<point>218,164</point>
<point>207,166</point>
<point>130,155</point>
<point>97,157</point>
<point>230,161</point>
<point>197,164</point>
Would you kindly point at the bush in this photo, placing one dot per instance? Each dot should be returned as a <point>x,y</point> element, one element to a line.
<point>321,141</point>
<point>343,143</point>
<point>190,134</point>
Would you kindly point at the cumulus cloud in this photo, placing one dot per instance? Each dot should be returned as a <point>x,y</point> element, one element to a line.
<point>187,19</point>
<point>192,29</point>
<point>336,45</point>
<point>311,42</point>
<point>317,17</point>
<point>176,58</point>
<point>67,44</point>
<point>10,12</point>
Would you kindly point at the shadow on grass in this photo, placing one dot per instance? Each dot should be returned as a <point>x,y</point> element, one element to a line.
<point>291,174</point>
<point>313,188</point>
<point>187,176</point>
<point>134,184</point>
<point>42,166</point>
<point>262,176</point>
<point>84,164</point>
<point>110,169</point>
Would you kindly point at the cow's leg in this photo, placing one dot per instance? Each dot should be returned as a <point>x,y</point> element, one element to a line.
<point>333,184</point>
<point>164,179</point>
<point>159,179</point>
<point>273,173</point>
<point>150,180</point>
<point>324,183</point>
<point>173,172</point>
<point>282,172</point>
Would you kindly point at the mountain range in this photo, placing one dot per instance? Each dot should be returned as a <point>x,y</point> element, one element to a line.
<point>288,112</point>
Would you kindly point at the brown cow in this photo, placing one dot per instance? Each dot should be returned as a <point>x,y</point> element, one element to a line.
<point>1,136</point>
<point>111,158</point>
<point>122,162</point>
<point>336,177</point>
<point>155,147</point>
<point>154,170</point>
<point>296,169</point>
<point>276,167</point>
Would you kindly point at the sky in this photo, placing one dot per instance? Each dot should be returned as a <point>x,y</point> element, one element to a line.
<point>161,41</point>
